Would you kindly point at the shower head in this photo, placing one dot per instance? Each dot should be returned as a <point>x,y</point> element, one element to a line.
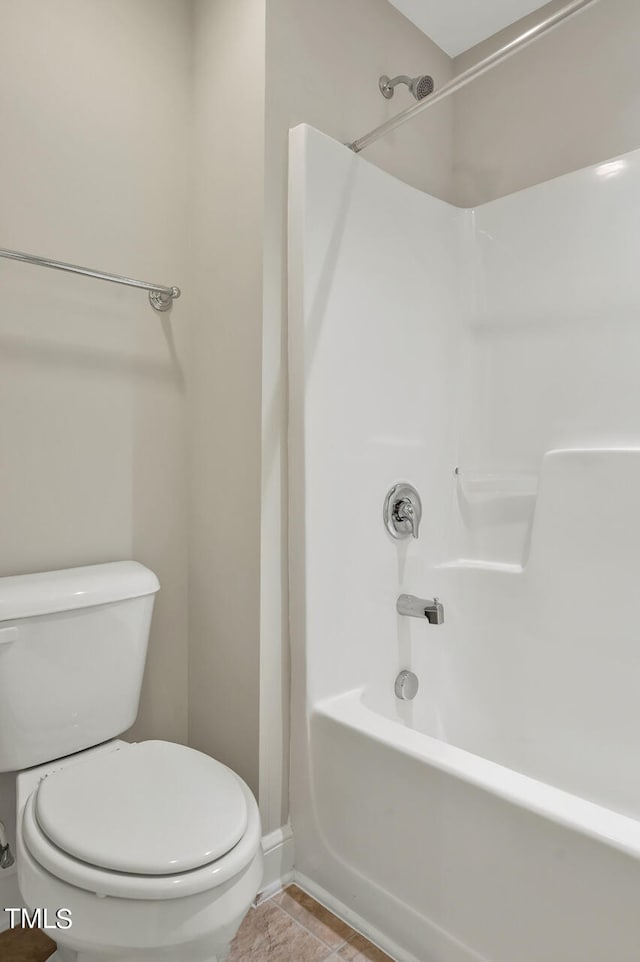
<point>420,87</point>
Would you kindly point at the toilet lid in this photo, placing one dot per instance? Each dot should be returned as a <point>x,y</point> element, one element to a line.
<point>153,808</point>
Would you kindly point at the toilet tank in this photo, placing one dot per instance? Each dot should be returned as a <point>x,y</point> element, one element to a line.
<point>73,645</point>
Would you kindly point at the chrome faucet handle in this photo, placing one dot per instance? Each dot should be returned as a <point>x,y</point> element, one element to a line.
<point>402,511</point>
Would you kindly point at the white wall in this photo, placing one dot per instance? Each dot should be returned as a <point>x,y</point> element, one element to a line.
<point>504,341</point>
<point>554,349</point>
<point>94,109</point>
<point>374,340</point>
<point>375,344</point>
<point>493,338</point>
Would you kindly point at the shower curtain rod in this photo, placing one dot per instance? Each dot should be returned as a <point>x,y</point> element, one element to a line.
<point>161,298</point>
<point>467,76</point>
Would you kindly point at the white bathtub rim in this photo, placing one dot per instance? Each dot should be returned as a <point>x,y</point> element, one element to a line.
<point>590,819</point>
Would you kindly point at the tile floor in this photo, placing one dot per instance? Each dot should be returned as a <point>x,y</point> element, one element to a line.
<point>293,927</point>
<point>290,927</point>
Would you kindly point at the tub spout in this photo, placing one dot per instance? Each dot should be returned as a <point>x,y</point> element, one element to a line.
<point>414,607</point>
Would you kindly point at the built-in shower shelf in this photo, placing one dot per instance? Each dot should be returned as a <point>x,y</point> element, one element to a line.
<point>481,486</point>
<point>498,569</point>
<point>474,564</point>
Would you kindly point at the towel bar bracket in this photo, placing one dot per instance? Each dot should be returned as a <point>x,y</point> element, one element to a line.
<point>160,301</point>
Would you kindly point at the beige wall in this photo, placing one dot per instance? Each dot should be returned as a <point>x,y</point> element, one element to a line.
<point>225,385</point>
<point>94,114</point>
<point>94,106</point>
<point>570,100</point>
<point>323,64</point>
<point>324,61</point>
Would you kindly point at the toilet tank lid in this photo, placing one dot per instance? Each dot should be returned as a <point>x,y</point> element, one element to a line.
<point>25,596</point>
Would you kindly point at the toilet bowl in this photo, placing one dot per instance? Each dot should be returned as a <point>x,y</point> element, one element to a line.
<point>153,849</point>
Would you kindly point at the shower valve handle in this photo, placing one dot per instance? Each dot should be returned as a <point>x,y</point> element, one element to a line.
<point>402,511</point>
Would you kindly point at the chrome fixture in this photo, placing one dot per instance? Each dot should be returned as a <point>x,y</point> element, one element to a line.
<point>414,607</point>
<point>402,511</point>
<point>6,857</point>
<point>467,76</point>
<point>420,87</point>
<point>161,298</point>
<point>406,686</point>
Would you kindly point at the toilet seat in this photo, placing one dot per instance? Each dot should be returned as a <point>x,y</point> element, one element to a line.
<point>221,823</point>
<point>151,808</point>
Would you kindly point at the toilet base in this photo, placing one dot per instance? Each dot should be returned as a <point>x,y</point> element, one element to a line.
<point>196,928</point>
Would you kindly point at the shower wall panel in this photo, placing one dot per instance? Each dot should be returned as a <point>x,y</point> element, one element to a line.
<point>374,379</point>
<point>490,358</point>
<point>554,343</point>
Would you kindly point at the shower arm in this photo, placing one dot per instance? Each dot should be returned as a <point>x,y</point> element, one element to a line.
<point>469,75</point>
<point>390,83</point>
<point>401,79</point>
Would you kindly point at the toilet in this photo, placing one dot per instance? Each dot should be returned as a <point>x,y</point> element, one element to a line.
<point>153,849</point>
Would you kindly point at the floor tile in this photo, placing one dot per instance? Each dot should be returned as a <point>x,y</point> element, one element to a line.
<point>25,945</point>
<point>315,917</point>
<point>268,934</point>
<point>360,949</point>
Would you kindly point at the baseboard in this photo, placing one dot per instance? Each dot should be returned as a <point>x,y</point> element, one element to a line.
<point>353,919</point>
<point>277,848</point>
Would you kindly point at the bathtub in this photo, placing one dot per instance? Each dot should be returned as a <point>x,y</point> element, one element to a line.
<point>445,856</point>
<point>496,818</point>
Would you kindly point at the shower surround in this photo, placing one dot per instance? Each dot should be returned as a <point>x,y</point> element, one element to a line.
<point>490,357</point>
